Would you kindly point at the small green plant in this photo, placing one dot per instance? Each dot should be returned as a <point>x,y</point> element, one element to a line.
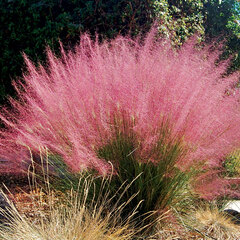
<point>232,164</point>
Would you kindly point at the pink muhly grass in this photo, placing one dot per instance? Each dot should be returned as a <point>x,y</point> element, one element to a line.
<point>70,106</point>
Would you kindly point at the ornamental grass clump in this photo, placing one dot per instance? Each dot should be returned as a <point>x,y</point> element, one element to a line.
<point>211,222</point>
<point>69,217</point>
<point>115,105</point>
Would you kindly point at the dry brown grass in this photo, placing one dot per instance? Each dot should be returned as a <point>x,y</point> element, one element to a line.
<point>50,216</point>
<point>74,220</point>
<point>212,223</point>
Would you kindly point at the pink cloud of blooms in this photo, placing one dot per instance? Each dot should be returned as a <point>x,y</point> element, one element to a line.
<point>68,107</point>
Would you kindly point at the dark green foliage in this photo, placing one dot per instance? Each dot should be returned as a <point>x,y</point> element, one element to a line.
<point>217,16</point>
<point>159,185</point>
<point>233,42</point>
<point>179,19</point>
<point>222,24</point>
<point>28,27</point>
<point>212,20</point>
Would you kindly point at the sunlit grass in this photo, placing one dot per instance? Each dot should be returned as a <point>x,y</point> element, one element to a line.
<point>70,217</point>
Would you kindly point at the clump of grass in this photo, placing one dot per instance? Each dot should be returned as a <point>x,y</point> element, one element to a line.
<point>212,223</point>
<point>136,112</point>
<point>75,218</point>
<point>155,176</point>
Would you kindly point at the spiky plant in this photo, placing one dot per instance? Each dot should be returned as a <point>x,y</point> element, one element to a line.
<point>211,222</point>
<point>155,177</point>
<point>70,217</point>
<point>149,112</point>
